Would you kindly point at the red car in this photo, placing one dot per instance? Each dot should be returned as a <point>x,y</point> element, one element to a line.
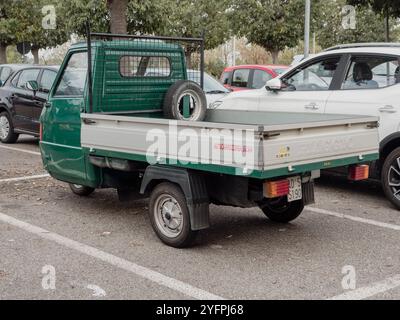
<point>248,77</point>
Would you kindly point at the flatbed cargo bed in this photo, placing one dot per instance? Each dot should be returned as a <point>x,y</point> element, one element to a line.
<point>258,144</point>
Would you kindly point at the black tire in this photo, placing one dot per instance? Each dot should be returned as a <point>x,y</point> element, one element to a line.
<point>10,135</point>
<point>177,234</point>
<point>81,191</point>
<point>282,211</point>
<point>390,178</point>
<point>173,102</point>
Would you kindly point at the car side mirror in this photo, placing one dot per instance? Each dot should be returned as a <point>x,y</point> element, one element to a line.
<point>275,84</point>
<point>1,83</point>
<point>32,85</point>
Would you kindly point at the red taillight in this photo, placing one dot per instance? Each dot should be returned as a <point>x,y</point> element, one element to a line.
<point>360,172</point>
<point>276,189</point>
<point>41,132</point>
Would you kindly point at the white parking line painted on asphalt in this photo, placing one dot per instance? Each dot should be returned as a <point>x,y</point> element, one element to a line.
<point>25,178</point>
<point>356,219</point>
<point>21,150</point>
<point>370,291</point>
<point>143,272</point>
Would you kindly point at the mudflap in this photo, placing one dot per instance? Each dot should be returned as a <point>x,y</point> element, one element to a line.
<point>193,186</point>
<point>308,193</point>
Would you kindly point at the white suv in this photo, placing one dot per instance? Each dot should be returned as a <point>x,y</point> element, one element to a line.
<point>361,79</point>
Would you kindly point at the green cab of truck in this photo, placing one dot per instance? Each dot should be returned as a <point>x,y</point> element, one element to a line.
<point>113,100</point>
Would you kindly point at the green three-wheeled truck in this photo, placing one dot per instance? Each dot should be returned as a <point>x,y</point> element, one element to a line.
<point>123,114</point>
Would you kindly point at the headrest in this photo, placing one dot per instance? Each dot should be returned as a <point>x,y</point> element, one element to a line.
<point>362,72</point>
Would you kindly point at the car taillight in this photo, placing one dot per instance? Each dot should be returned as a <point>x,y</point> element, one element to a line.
<point>359,172</point>
<point>276,189</point>
<point>41,132</point>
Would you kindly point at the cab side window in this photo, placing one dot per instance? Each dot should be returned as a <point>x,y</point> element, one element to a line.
<point>143,66</point>
<point>27,75</point>
<point>73,79</point>
<point>241,78</point>
<point>315,77</point>
<point>372,72</point>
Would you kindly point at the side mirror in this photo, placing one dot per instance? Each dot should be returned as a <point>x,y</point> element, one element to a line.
<point>1,83</point>
<point>32,85</point>
<point>274,85</point>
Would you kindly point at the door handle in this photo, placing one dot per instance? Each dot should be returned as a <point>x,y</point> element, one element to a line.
<point>311,106</point>
<point>387,109</point>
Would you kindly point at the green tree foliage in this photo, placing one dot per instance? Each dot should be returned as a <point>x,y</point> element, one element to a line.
<point>190,18</point>
<point>370,26</point>
<point>271,24</point>
<point>391,7</point>
<point>21,20</point>
<point>79,12</point>
<point>8,24</point>
<point>31,27</point>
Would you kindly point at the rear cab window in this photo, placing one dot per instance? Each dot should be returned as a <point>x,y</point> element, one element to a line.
<point>144,66</point>
<point>372,72</point>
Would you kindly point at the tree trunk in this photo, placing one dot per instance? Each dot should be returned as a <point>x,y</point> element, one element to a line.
<point>3,53</point>
<point>275,56</point>
<point>119,23</point>
<point>35,53</point>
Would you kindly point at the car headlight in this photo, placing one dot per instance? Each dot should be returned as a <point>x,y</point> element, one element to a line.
<point>215,104</point>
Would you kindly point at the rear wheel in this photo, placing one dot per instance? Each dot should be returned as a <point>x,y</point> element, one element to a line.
<point>81,190</point>
<point>169,216</point>
<point>281,211</point>
<point>7,134</point>
<point>391,177</point>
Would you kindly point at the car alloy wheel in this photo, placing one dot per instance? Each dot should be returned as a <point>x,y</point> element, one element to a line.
<point>394,178</point>
<point>4,127</point>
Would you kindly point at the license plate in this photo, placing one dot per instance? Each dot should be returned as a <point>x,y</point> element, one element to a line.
<point>295,192</point>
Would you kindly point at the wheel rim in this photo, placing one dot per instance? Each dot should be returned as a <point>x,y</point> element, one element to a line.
<point>4,127</point>
<point>194,105</point>
<point>168,216</point>
<point>77,186</point>
<point>394,178</point>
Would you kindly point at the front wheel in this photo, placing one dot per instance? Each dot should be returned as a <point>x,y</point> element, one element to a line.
<point>282,211</point>
<point>7,134</point>
<point>169,216</point>
<point>81,191</point>
<point>391,177</point>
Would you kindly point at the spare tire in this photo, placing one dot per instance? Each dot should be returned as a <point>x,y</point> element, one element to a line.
<point>185,100</point>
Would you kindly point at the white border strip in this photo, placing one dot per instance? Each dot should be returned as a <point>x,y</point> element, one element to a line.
<point>21,150</point>
<point>25,178</point>
<point>356,219</point>
<point>143,272</point>
<point>369,291</point>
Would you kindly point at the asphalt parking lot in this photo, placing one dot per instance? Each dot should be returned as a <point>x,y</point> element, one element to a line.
<point>99,248</point>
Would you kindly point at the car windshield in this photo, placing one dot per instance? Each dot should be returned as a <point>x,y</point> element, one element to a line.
<point>210,84</point>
